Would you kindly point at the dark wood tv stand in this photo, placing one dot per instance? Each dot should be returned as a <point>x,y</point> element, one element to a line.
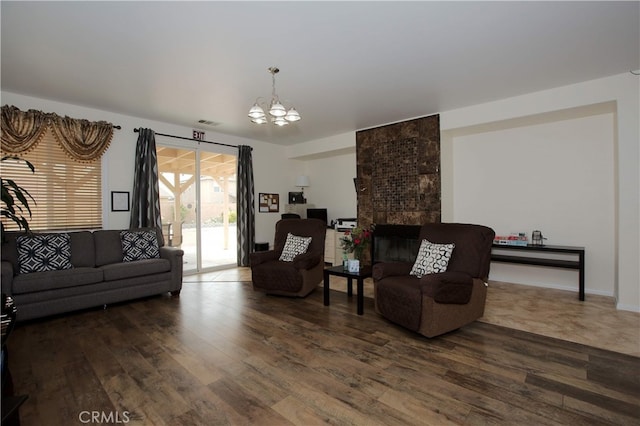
<point>541,261</point>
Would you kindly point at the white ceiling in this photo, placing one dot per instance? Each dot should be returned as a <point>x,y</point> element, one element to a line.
<point>344,65</point>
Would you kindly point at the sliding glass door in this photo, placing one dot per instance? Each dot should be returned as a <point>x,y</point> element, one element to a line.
<point>218,212</point>
<point>198,206</point>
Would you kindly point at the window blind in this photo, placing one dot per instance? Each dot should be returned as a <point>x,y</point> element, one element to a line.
<point>67,193</point>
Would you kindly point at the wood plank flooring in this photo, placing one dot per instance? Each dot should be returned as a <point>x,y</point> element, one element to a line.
<point>224,354</point>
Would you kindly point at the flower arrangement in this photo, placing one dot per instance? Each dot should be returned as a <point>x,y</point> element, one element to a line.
<point>356,241</point>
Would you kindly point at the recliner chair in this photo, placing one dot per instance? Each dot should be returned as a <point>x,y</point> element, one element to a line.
<point>290,216</point>
<point>298,277</point>
<point>439,302</point>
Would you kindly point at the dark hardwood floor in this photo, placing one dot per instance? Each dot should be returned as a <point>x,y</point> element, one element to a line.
<point>223,354</point>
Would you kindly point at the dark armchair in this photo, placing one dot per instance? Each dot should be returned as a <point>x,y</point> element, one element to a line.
<point>303,273</point>
<point>436,303</point>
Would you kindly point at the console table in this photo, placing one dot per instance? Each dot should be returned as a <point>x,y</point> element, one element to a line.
<point>541,261</point>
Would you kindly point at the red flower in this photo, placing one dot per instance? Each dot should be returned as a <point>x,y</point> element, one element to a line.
<point>355,240</point>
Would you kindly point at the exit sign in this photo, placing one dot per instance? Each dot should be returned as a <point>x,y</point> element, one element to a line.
<point>198,134</point>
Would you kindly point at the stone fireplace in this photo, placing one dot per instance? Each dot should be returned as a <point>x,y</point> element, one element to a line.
<point>398,173</point>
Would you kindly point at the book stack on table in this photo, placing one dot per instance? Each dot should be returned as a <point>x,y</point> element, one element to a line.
<point>514,239</point>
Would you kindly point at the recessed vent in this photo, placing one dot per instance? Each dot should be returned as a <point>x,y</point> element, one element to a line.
<point>208,123</point>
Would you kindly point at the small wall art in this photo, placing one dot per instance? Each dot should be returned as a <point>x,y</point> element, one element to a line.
<point>268,203</point>
<point>119,201</point>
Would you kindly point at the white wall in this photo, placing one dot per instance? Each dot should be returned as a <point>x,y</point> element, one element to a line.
<point>623,90</point>
<point>330,164</point>
<point>337,194</point>
<point>556,176</point>
<point>269,160</point>
<point>272,173</point>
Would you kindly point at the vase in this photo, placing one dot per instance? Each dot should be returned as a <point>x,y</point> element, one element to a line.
<point>357,253</point>
<point>353,265</point>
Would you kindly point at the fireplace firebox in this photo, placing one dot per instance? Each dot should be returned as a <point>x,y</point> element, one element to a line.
<point>395,243</point>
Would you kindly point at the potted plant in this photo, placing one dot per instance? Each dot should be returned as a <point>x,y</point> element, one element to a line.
<point>15,200</point>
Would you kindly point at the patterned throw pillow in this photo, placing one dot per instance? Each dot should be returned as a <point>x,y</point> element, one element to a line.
<point>294,246</point>
<point>46,252</point>
<point>432,258</point>
<point>139,245</point>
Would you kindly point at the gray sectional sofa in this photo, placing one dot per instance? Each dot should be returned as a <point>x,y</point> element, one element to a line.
<point>97,271</point>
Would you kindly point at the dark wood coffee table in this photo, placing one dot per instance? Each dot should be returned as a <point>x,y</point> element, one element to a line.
<point>365,272</point>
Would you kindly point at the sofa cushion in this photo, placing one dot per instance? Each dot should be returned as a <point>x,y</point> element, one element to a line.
<point>382,270</point>
<point>315,228</point>
<point>293,246</point>
<point>118,271</point>
<point>44,252</point>
<point>448,287</point>
<point>82,248</point>
<point>129,288</point>
<point>432,258</point>
<point>41,281</point>
<point>83,252</point>
<point>473,245</point>
<point>139,245</point>
<point>108,247</point>
<point>278,276</point>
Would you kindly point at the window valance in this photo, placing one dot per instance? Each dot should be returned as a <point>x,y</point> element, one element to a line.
<point>82,140</point>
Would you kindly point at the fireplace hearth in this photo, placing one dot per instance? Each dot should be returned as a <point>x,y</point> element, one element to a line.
<point>395,243</point>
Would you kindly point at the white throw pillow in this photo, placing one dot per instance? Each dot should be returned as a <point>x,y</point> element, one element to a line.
<point>432,258</point>
<point>294,246</point>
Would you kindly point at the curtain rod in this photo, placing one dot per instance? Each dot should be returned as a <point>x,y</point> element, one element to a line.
<point>137,130</point>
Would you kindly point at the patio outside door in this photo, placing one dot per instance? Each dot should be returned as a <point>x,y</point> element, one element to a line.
<point>198,206</point>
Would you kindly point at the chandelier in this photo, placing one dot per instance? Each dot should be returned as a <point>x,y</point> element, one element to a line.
<point>280,116</point>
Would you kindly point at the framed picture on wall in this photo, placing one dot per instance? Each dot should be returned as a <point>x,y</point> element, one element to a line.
<point>119,201</point>
<point>268,203</point>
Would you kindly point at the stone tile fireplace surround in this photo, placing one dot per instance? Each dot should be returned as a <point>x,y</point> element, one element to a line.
<point>398,173</point>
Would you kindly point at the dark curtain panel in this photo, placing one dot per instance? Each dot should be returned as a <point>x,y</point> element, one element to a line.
<point>145,203</point>
<point>246,210</point>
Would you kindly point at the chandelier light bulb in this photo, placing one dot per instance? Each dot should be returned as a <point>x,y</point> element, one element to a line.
<point>280,121</point>
<point>277,109</point>
<point>256,112</point>
<point>259,120</point>
<point>292,115</point>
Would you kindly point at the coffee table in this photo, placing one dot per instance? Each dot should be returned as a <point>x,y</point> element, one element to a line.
<point>365,272</point>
